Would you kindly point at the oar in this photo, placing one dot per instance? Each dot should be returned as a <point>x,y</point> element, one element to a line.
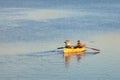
<point>60,47</point>
<point>93,48</point>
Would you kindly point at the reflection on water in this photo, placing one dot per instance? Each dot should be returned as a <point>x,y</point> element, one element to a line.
<point>91,53</point>
<point>68,57</point>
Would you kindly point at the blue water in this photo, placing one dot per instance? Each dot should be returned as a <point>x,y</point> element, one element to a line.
<point>32,30</point>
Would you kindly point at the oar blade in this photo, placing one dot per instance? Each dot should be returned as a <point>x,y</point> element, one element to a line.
<point>95,49</point>
<point>60,48</point>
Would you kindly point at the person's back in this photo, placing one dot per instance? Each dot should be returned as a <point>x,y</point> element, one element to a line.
<point>79,44</point>
<point>67,44</point>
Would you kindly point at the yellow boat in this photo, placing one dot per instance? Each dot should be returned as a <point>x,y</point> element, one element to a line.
<point>74,50</point>
<point>68,51</point>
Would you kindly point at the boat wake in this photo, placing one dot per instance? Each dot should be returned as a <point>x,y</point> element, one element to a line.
<point>45,53</point>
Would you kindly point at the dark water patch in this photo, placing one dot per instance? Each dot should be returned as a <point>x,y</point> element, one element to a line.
<point>1,62</point>
<point>54,3</point>
<point>93,22</point>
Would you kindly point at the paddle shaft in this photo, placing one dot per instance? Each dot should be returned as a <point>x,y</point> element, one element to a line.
<point>93,48</point>
<point>60,47</point>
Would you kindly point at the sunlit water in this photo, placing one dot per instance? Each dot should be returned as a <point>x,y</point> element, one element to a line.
<point>31,33</point>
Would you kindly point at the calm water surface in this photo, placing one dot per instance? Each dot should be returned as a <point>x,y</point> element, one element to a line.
<point>31,32</point>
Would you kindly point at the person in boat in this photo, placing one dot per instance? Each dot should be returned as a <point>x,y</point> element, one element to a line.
<point>67,44</point>
<point>79,44</point>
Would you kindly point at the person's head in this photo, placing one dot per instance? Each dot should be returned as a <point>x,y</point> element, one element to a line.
<point>67,42</point>
<point>78,41</point>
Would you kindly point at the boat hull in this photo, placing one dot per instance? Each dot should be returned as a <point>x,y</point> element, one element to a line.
<point>70,54</point>
<point>74,50</point>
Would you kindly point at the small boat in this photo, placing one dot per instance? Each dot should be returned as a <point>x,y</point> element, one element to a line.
<point>72,51</point>
<point>70,54</point>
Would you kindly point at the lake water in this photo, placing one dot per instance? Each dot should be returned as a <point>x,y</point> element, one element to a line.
<point>31,32</point>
